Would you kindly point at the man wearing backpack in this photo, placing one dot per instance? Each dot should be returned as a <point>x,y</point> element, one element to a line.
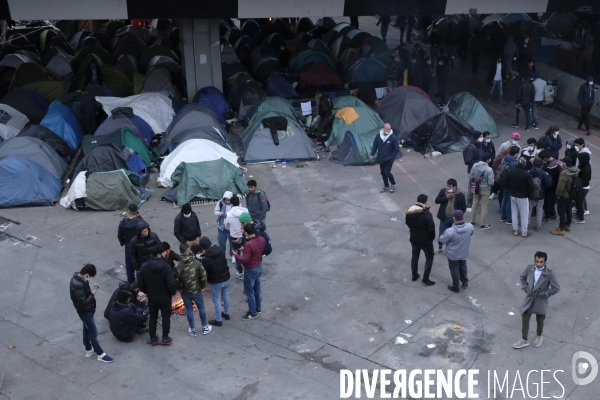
<point>250,256</point>
<point>473,154</point>
<point>483,177</point>
<point>564,190</point>
<point>259,228</point>
<point>553,168</point>
<point>521,186</point>
<point>542,182</point>
<point>257,202</point>
<point>509,163</point>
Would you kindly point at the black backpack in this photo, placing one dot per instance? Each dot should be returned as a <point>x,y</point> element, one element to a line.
<point>576,191</point>
<point>537,189</point>
<point>465,153</point>
<point>268,248</point>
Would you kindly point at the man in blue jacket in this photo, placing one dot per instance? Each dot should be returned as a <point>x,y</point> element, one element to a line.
<point>387,147</point>
<point>586,97</point>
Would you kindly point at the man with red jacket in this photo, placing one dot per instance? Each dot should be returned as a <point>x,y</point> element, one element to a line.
<point>250,255</point>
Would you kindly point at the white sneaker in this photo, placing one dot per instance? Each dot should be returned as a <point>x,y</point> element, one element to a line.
<point>586,212</point>
<point>574,209</point>
<point>233,259</point>
<point>89,353</point>
<point>493,196</point>
<point>206,329</point>
<point>468,209</point>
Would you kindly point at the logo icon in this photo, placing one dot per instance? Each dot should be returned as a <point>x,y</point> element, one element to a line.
<point>582,368</point>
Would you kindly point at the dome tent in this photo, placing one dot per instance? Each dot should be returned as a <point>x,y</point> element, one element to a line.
<point>355,149</point>
<point>47,136</point>
<point>277,104</point>
<point>138,126</point>
<point>277,85</point>
<point>35,150</point>
<point>347,101</point>
<point>299,60</point>
<point>214,99</point>
<point>26,183</point>
<point>111,190</point>
<point>61,120</point>
<point>366,120</point>
<point>29,103</point>
<point>11,121</point>
<point>445,132</point>
<point>466,106</point>
<point>123,136</point>
<point>367,70</point>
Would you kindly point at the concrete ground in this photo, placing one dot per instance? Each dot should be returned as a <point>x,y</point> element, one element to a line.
<point>337,291</point>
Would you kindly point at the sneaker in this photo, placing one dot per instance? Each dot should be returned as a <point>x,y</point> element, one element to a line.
<point>239,275</point>
<point>385,189</point>
<point>429,282</point>
<point>193,332</point>
<point>580,128</point>
<point>502,220</point>
<point>586,212</point>
<point>226,316</point>
<point>508,222</point>
<point>545,219</point>
<point>539,228</point>
<point>249,316</point>
<point>487,226</point>
<point>258,311</point>
<point>515,126</point>
<point>493,196</point>
<point>577,221</point>
<point>206,329</point>
<point>438,251</point>
<point>105,358</point>
<point>414,278</point>
<point>89,353</point>
<point>392,188</point>
<point>520,344</point>
<point>167,340</point>
<point>233,260</point>
<point>567,228</point>
<point>536,127</point>
<point>468,209</point>
<point>558,231</point>
<point>537,342</point>
<point>453,288</point>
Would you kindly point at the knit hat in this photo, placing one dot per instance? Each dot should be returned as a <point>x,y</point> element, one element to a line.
<point>205,243</point>
<point>245,217</point>
<point>186,208</point>
<point>515,135</point>
<point>227,195</point>
<point>183,247</point>
<point>122,296</point>
<point>477,135</point>
<point>458,215</point>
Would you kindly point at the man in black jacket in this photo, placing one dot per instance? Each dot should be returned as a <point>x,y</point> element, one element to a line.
<point>93,74</point>
<point>525,98</point>
<point>325,116</point>
<point>133,291</point>
<point>422,233</point>
<point>127,231</point>
<point>443,65</point>
<point>85,304</point>
<point>140,245</point>
<point>126,319</point>
<point>217,274</point>
<point>521,186</point>
<point>169,255</point>
<point>88,108</point>
<point>449,199</point>
<point>474,155</point>
<point>187,227</point>
<point>587,98</point>
<point>157,281</point>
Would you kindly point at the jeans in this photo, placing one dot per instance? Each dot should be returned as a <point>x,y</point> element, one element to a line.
<point>444,224</point>
<point>497,84</point>
<point>458,271</point>
<point>534,107</point>
<point>539,207</point>
<point>549,202</point>
<point>565,212</point>
<point>520,212</point>
<point>129,266</point>
<point>90,333</point>
<point>414,261</point>
<point>218,291</point>
<point>539,318</point>
<point>386,173</point>
<point>165,312</point>
<point>581,205</point>
<point>222,239</point>
<point>585,117</point>
<point>505,207</point>
<point>482,197</point>
<point>236,246</point>
<point>252,288</point>
<point>527,111</point>
<point>189,308</point>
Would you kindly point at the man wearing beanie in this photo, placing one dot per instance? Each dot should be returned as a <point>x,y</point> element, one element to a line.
<point>217,274</point>
<point>126,319</point>
<point>127,231</point>
<point>422,233</point>
<point>256,201</point>
<point>473,155</point>
<point>187,227</point>
<point>458,242</point>
<point>222,207</point>
<point>250,256</point>
<point>169,255</point>
<point>232,222</point>
<point>521,186</point>
<point>157,281</point>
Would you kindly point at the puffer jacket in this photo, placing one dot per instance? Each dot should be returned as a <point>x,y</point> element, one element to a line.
<point>215,265</point>
<point>139,247</point>
<point>565,181</point>
<point>128,230</point>
<point>458,240</point>
<point>420,222</point>
<point>157,281</point>
<point>257,205</point>
<point>553,146</point>
<point>488,176</point>
<point>126,286</point>
<point>81,295</point>
<point>190,276</point>
<point>186,229</point>
<point>125,320</point>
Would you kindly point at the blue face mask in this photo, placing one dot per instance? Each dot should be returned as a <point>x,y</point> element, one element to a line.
<point>569,147</point>
<point>591,83</point>
<point>187,215</point>
<point>488,140</point>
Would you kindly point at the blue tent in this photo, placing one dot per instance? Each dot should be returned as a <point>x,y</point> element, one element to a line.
<point>301,59</point>
<point>139,127</point>
<point>367,70</point>
<point>213,98</point>
<point>277,85</point>
<point>26,183</point>
<point>61,120</point>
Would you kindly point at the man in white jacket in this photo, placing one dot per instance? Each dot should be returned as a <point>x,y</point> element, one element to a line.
<point>222,207</point>
<point>236,232</point>
<point>540,96</point>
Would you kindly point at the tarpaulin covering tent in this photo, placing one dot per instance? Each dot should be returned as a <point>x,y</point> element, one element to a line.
<point>470,109</point>
<point>405,108</point>
<point>47,136</point>
<point>347,101</point>
<point>192,151</point>
<point>318,76</point>
<point>11,121</point>
<point>26,183</point>
<point>34,150</point>
<point>29,103</point>
<point>277,85</point>
<point>367,70</point>
<point>138,126</point>
<point>299,60</point>
<point>110,191</point>
<point>279,105</point>
<point>294,144</point>
<point>354,149</point>
<point>212,97</point>
<point>366,121</point>
<point>112,157</point>
<point>122,136</point>
<point>61,120</point>
<point>248,94</point>
<point>209,179</point>
<point>154,108</point>
<point>445,132</point>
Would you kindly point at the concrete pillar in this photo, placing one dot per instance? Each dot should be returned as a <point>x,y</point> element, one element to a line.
<point>201,50</point>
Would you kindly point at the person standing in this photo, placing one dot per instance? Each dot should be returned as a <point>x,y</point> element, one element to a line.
<point>498,75</point>
<point>539,283</point>
<point>89,109</point>
<point>450,199</point>
<point>473,156</point>
<point>422,233</point>
<point>392,72</point>
<point>232,222</point>
<point>521,187</point>
<point>553,141</point>
<point>190,279</point>
<point>217,274</point>
<point>127,231</point>
<point>484,176</point>
<point>387,147</point>
<point>540,98</point>
<point>514,141</point>
<point>587,98</point>
<point>325,117</point>
<point>458,241</point>
<point>257,203</point>
<point>441,72</point>
<point>553,168</point>
<point>585,174</point>
<point>525,98</point>
<point>157,281</point>
<point>542,182</point>
<point>84,301</point>
<point>510,162</point>
<point>250,256</point>
<point>222,207</point>
<point>511,53</point>
<point>427,72</point>
<point>384,21</point>
<point>475,48</point>
<point>187,227</point>
<point>140,245</point>
<point>563,196</point>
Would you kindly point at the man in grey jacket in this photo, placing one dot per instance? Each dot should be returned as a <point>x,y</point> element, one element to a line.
<point>256,202</point>
<point>539,283</point>
<point>482,174</point>
<point>458,241</point>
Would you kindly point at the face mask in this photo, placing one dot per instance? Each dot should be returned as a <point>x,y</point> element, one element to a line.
<point>536,152</point>
<point>591,83</point>
<point>428,62</point>
<point>568,146</point>
<point>488,140</point>
<point>530,148</point>
<point>450,190</point>
<point>187,215</point>
<point>515,142</point>
<point>199,256</point>
<point>577,148</point>
<point>556,133</point>
<point>480,140</point>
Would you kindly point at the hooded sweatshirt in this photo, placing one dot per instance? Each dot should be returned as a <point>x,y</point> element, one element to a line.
<point>585,169</point>
<point>565,181</point>
<point>458,240</point>
<point>488,175</point>
<point>128,230</point>
<point>215,265</point>
<point>139,248</point>
<point>583,150</point>
<point>506,146</point>
<point>232,222</point>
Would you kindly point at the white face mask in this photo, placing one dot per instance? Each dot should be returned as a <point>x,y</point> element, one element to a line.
<point>591,83</point>
<point>187,215</point>
<point>515,142</point>
<point>450,190</point>
<point>530,148</point>
<point>556,133</point>
<point>480,140</point>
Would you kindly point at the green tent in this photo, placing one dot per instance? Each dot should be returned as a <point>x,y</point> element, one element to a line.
<point>114,79</point>
<point>470,109</point>
<point>347,101</point>
<point>51,90</point>
<point>355,149</point>
<point>124,137</point>
<point>209,179</point>
<point>273,103</point>
<point>110,191</point>
<point>81,58</point>
<point>367,121</point>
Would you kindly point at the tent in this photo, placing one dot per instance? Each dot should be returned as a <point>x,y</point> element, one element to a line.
<point>47,136</point>
<point>274,40</point>
<point>193,151</point>
<point>29,103</point>
<point>154,108</point>
<point>470,109</point>
<point>114,79</point>
<point>248,94</point>
<point>303,25</point>
<point>152,52</point>
<point>34,150</point>
<point>405,108</point>
<point>158,79</point>
<point>277,85</point>
<point>129,44</point>
<point>294,144</point>
<point>122,136</point>
<point>60,64</point>
<point>11,121</point>
<point>264,66</point>
<point>358,37</point>
<point>213,98</point>
<point>82,58</point>
<point>347,60</point>
<point>209,179</point>
<point>138,126</point>
<point>299,60</point>
<point>51,90</point>
<point>61,120</point>
<point>128,64</point>
<point>228,54</point>
<point>110,191</point>
<point>103,158</point>
<point>339,46</point>
<point>318,76</point>
<point>366,121</point>
<point>201,132</point>
<point>347,101</point>
<point>354,149</point>
<point>318,45</point>
<point>279,105</point>
<point>26,183</point>
<point>367,70</point>
<point>446,132</point>
<point>30,73</point>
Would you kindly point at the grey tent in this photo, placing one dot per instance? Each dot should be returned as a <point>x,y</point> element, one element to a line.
<point>469,108</point>
<point>158,79</point>
<point>34,150</point>
<point>259,144</point>
<point>128,64</point>
<point>115,122</point>
<point>166,62</point>
<point>47,136</point>
<point>213,133</point>
<point>105,157</point>
<point>60,64</point>
<point>110,191</point>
